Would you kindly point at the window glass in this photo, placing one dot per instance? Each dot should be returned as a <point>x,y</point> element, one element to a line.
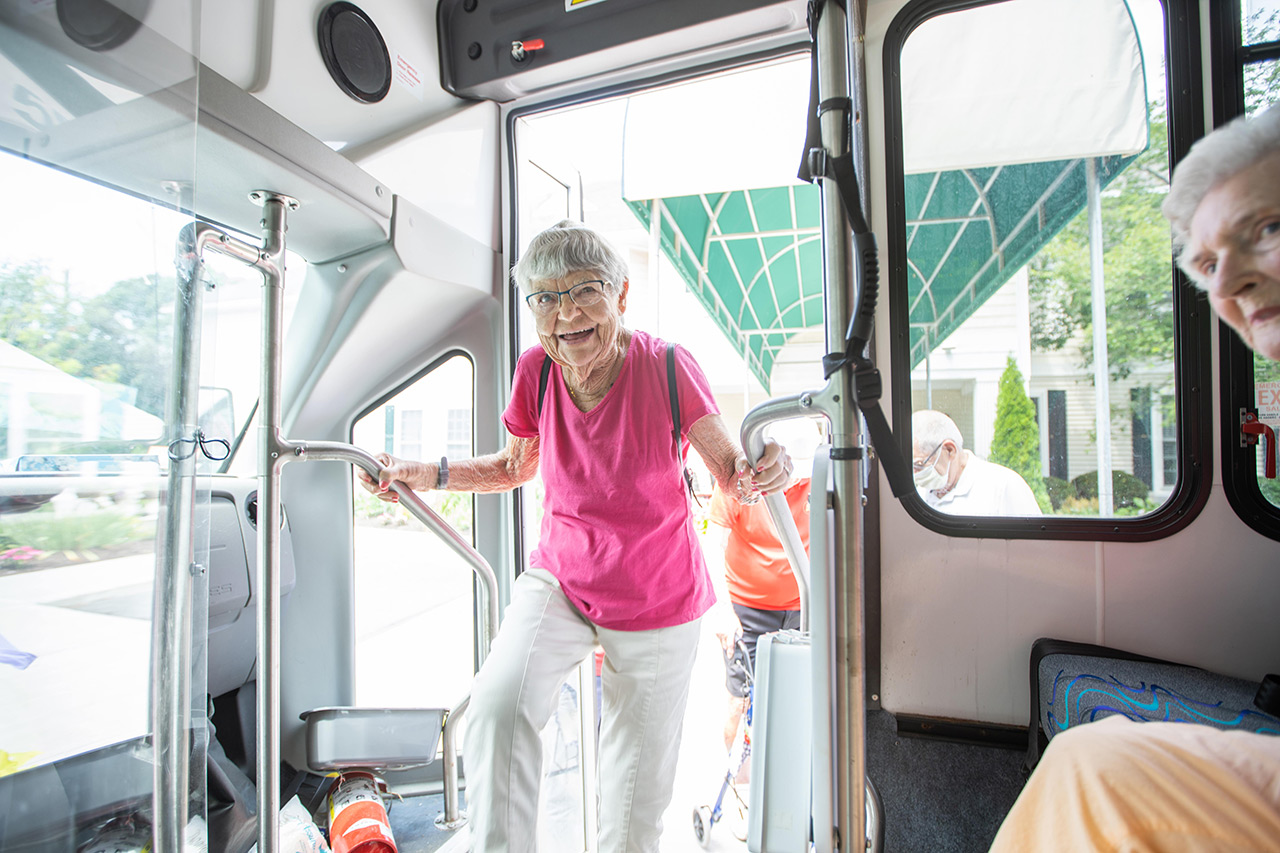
<point>1038,262</point>
<point>1260,21</point>
<point>1267,399</point>
<point>1261,85</point>
<point>411,591</point>
<point>231,352</point>
<point>1262,89</point>
<point>87,289</point>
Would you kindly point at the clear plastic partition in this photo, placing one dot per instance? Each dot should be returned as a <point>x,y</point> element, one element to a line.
<point>99,458</point>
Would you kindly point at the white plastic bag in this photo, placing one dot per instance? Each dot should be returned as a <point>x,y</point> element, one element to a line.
<point>298,832</point>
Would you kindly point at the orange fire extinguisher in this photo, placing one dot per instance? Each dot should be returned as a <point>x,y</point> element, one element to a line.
<point>357,818</point>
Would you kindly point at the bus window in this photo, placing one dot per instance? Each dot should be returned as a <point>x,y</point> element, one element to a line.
<point>411,590</point>
<point>1262,84</point>
<point>232,350</point>
<point>1247,78</point>
<point>1034,264</point>
<point>1259,21</point>
<point>86,331</point>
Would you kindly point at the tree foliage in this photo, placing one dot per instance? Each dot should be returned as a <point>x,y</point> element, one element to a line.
<point>1137,252</point>
<point>1016,444</point>
<point>1137,264</point>
<point>121,337</point>
<point>1261,79</point>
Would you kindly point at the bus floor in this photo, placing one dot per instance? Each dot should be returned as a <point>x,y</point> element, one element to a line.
<point>939,796</point>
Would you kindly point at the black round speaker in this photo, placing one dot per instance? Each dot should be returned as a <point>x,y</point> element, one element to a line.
<point>99,25</point>
<point>354,52</point>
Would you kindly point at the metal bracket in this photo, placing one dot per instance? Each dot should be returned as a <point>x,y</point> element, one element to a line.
<point>1250,429</point>
<point>261,197</point>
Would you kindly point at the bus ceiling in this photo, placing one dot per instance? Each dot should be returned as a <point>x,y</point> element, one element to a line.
<point>126,93</point>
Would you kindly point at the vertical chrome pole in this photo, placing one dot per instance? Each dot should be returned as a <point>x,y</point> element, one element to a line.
<point>849,753</point>
<point>272,455</point>
<point>171,606</point>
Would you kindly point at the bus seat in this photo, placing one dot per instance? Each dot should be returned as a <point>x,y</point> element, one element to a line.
<point>1074,683</point>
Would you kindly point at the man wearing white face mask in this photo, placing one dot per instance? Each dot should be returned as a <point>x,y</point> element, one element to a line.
<point>953,480</point>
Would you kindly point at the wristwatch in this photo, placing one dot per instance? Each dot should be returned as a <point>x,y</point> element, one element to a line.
<point>442,480</point>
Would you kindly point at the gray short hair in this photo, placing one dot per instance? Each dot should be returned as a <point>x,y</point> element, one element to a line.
<point>929,429</point>
<point>568,247</point>
<point>1222,154</point>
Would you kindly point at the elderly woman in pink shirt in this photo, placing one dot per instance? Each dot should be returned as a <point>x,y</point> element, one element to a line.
<point>618,563</point>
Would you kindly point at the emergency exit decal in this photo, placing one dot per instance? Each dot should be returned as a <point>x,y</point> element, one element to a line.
<point>570,5</point>
<point>1268,400</point>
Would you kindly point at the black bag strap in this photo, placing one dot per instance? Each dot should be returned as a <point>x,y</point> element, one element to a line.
<point>542,380</point>
<point>674,394</point>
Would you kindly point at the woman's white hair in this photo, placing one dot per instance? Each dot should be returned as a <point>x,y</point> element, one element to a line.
<point>568,247</point>
<point>1225,152</point>
<point>930,428</point>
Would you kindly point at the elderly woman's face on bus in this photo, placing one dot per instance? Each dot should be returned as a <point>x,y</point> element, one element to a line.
<point>578,317</point>
<point>1234,253</point>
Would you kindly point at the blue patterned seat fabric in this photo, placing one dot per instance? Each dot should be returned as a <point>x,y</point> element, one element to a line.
<point>1077,689</point>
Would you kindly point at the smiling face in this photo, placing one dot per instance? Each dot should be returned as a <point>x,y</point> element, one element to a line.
<point>1234,253</point>
<point>577,337</point>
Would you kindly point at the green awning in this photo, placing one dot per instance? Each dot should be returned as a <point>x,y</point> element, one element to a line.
<point>969,230</point>
<point>753,258</point>
<point>997,126</point>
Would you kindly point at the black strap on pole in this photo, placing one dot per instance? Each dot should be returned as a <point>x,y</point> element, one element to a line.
<point>817,162</point>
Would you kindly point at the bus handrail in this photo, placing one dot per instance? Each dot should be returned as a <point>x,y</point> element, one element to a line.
<point>753,426</point>
<point>318,451</point>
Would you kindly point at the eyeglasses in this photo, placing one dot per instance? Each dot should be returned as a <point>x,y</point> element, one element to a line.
<point>583,294</point>
<point>927,461</point>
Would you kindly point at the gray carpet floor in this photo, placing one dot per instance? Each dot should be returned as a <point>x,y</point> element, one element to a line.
<point>938,796</point>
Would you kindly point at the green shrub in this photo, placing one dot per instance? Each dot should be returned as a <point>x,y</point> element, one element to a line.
<point>1270,490</point>
<point>1139,507</point>
<point>82,532</point>
<point>1126,489</point>
<point>1058,490</point>
<point>1016,443</point>
<point>1072,505</point>
<point>453,507</point>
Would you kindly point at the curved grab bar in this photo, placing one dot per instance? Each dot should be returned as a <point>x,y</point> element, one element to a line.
<point>753,425</point>
<point>320,451</point>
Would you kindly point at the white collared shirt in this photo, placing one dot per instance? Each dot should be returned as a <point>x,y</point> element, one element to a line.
<point>985,488</point>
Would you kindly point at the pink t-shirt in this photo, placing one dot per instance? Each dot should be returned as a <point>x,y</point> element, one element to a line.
<point>616,527</point>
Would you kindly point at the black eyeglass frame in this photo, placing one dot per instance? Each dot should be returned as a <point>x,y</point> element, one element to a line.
<point>917,467</point>
<point>605,284</point>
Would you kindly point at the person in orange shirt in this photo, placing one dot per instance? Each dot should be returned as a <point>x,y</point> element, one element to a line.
<point>762,589</point>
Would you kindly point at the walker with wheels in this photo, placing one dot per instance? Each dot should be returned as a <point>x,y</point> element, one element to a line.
<point>705,817</point>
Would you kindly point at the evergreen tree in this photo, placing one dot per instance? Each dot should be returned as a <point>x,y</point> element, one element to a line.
<point>1016,444</point>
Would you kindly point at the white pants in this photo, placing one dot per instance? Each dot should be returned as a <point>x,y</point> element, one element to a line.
<point>646,686</point>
